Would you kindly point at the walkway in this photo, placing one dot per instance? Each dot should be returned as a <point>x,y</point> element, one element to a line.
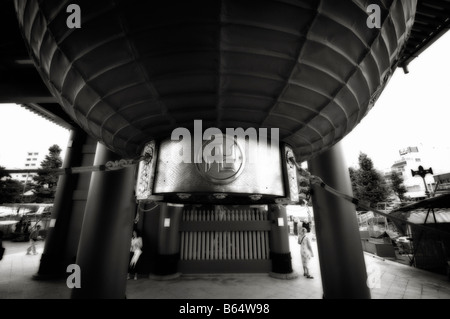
<point>397,281</point>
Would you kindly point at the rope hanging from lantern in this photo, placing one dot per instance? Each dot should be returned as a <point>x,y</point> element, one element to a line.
<point>108,166</point>
<point>142,205</point>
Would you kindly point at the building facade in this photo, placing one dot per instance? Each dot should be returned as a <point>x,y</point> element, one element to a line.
<point>31,161</point>
<point>410,160</point>
<point>442,184</point>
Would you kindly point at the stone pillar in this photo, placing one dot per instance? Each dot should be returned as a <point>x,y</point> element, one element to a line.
<point>104,247</point>
<point>53,265</point>
<point>168,239</point>
<point>340,251</point>
<point>280,252</point>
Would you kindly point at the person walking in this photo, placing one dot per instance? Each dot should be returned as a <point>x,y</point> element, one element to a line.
<point>33,238</point>
<point>135,253</point>
<point>305,251</point>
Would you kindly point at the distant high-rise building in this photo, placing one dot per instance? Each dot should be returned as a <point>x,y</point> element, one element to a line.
<point>32,161</point>
<point>411,159</point>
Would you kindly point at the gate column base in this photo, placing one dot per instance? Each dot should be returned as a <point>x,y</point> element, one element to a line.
<point>168,254</point>
<point>280,253</point>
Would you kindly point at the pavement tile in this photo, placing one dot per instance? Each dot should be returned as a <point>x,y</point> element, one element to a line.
<point>397,281</point>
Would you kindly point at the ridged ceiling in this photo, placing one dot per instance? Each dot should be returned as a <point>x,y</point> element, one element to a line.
<point>136,70</point>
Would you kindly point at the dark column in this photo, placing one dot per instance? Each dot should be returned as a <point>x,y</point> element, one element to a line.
<point>150,234</point>
<point>168,239</point>
<point>104,247</point>
<point>341,257</point>
<point>280,252</point>
<point>52,261</point>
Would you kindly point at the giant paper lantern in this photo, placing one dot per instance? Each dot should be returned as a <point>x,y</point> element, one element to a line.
<point>136,70</point>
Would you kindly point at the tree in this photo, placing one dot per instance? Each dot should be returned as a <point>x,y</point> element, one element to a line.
<point>10,189</point>
<point>304,187</point>
<point>368,184</point>
<point>46,182</point>
<point>397,185</point>
<point>353,172</point>
<point>3,174</point>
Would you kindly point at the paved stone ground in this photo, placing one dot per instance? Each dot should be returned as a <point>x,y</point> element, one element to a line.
<point>397,281</point>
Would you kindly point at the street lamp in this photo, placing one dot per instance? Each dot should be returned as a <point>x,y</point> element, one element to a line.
<point>422,172</point>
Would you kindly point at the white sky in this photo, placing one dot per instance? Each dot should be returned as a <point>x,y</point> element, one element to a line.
<point>413,110</point>
<point>22,131</point>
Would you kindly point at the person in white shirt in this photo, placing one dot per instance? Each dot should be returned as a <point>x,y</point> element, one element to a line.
<point>33,238</point>
<point>135,253</point>
<point>306,251</point>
